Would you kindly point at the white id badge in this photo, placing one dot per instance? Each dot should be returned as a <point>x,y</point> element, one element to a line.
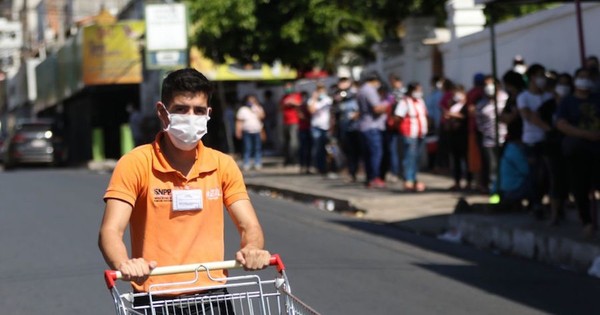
<point>187,199</point>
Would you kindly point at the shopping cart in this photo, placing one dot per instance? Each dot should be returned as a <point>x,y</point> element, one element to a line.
<point>245,294</point>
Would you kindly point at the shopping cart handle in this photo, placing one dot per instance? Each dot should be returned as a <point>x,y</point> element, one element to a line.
<point>110,276</point>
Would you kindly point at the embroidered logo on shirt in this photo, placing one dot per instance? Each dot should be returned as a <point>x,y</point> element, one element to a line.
<point>162,194</point>
<point>213,194</point>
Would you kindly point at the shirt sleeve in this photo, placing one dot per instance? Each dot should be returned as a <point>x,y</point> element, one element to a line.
<point>401,108</point>
<point>232,181</point>
<point>127,178</point>
<point>522,101</point>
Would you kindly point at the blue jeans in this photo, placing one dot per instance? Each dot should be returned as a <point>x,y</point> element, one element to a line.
<point>412,152</point>
<point>372,143</point>
<point>252,146</point>
<point>319,155</point>
<point>305,148</point>
<point>391,138</point>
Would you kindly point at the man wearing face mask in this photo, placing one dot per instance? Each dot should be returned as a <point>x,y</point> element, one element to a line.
<point>534,129</point>
<point>551,148</point>
<point>578,117</point>
<point>171,194</point>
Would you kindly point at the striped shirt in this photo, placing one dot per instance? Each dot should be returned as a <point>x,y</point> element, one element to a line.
<point>414,117</point>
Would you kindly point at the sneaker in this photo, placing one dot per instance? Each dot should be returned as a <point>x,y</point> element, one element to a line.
<point>391,178</point>
<point>246,167</point>
<point>258,167</point>
<point>376,183</point>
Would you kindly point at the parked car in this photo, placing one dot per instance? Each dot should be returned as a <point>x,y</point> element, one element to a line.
<point>34,142</point>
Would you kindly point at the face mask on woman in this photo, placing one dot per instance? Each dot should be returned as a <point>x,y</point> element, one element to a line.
<point>185,131</point>
<point>562,90</point>
<point>417,94</point>
<point>489,89</point>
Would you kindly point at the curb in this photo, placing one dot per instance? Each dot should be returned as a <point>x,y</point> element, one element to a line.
<point>551,249</point>
<point>326,203</point>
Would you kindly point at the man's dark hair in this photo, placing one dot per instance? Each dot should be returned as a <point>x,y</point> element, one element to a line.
<point>515,79</point>
<point>186,80</point>
<point>534,69</point>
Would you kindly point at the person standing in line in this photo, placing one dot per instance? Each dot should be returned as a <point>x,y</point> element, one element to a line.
<point>486,117</point>
<point>304,135</point>
<point>289,109</point>
<point>391,160</point>
<point>271,121</point>
<point>558,189</point>
<point>455,129</point>
<point>412,113</point>
<point>371,124</point>
<point>432,101</point>
<point>171,194</point>
<point>514,84</point>
<point>347,124</point>
<point>578,117</point>
<point>248,127</point>
<point>319,106</point>
<point>534,130</point>
<point>474,96</point>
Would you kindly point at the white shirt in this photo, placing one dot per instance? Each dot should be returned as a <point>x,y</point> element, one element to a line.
<point>322,115</point>
<point>532,134</point>
<point>249,117</point>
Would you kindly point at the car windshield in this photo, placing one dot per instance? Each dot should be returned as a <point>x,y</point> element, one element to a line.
<point>32,127</point>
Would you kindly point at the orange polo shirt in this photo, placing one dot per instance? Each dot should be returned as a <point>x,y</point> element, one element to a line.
<point>144,179</point>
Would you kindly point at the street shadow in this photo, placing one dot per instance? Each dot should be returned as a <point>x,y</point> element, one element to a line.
<point>549,289</point>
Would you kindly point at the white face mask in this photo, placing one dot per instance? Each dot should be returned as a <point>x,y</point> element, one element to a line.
<point>417,94</point>
<point>185,131</point>
<point>489,89</point>
<point>540,82</point>
<point>582,84</point>
<point>562,90</point>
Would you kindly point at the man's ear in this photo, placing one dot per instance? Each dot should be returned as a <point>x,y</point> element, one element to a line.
<point>163,115</point>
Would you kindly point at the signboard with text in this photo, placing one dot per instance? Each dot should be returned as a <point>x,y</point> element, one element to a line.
<point>111,53</point>
<point>166,36</point>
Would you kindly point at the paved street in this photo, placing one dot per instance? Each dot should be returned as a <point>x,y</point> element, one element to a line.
<point>337,264</point>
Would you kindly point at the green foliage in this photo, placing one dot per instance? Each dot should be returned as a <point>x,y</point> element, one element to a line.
<point>503,12</point>
<point>301,33</point>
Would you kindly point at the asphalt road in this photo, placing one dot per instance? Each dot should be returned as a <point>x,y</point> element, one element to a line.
<point>50,264</point>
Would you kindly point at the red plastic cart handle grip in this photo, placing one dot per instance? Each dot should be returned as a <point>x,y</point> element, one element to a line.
<point>110,276</point>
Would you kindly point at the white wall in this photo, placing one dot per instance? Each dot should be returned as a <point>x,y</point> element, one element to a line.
<point>548,37</point>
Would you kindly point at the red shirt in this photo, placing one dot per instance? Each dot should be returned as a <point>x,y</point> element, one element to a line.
<point>289,108</point>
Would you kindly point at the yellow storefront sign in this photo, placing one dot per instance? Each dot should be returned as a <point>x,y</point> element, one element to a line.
<point>231,70</point>
<point>111,53</point>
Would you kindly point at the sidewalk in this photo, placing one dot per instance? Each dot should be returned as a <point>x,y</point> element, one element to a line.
<point>453,216</point>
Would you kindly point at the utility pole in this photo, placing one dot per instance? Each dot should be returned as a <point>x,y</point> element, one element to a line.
<point>26,51</point>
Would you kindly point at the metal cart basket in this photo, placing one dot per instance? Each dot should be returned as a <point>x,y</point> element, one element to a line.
<point>240,295</point>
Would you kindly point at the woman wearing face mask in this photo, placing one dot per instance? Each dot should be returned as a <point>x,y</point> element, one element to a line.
<point>412,113</point>
<point>551,148</point>
<point>578,117</point>
<point>486,114</point>
<point>249,125</point>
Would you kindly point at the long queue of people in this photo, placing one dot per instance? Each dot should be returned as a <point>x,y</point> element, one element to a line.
<point>534,133</point>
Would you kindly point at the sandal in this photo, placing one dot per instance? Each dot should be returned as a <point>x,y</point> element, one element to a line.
<point>409,186</point>
<point>420,187</point>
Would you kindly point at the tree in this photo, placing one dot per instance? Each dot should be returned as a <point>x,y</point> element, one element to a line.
<point>301,33</point>
<point>304,33</point>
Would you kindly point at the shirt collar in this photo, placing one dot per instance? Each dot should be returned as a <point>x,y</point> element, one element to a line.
<point>205,161</point>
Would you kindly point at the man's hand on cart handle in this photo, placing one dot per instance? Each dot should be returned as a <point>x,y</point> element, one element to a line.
<point>136,269</point>
<point>253,258</point>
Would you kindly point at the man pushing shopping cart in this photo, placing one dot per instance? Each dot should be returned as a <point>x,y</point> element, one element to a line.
<point>171,195</point>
